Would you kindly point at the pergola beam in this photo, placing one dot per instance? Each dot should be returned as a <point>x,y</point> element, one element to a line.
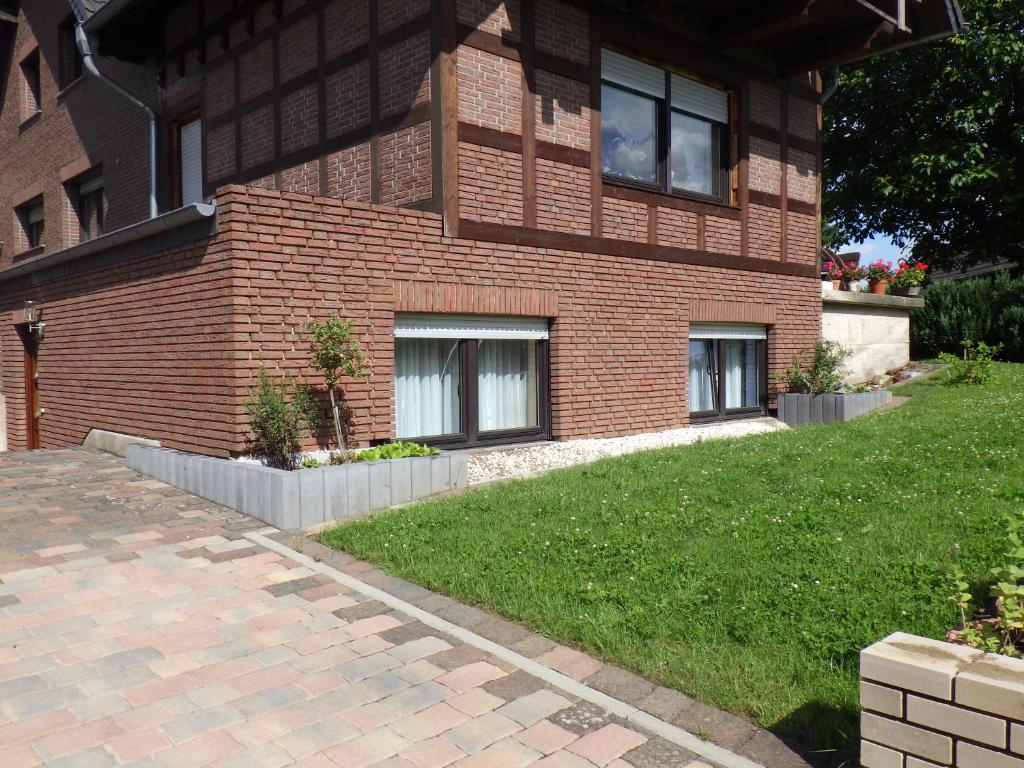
<point>766,22</point>
<point>847,46</point>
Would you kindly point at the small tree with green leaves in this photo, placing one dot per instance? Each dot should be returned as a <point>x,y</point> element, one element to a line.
<point>825,372</point>
<point>281,413</point>
<point>337,354</point>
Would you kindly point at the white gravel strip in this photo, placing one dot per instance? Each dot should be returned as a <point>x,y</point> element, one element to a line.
<point>503,464</point>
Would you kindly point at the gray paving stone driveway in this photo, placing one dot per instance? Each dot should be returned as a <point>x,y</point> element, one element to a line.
<point>140,626</point>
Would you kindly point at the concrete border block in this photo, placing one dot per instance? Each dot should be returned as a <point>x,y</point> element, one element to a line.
<point>335,493</point>
<point>115,442</point>
<point>421,474</point>
<point>401,480</point>
<point>358,489</point>
<point>380,484</point>
<point>288,500</point>
<point>312,496</point>
<point>440,473</point>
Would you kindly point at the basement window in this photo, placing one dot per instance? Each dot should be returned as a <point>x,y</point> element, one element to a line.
<point>464,380</point>
<point>662,130</point>
<point>728,376</point>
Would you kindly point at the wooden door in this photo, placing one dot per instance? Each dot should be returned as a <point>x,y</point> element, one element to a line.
<point>32,409</point>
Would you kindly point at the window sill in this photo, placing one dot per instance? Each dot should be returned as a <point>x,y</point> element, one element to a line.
<point>29,121</point>
<point>659,193</point>
<point>69,88</point>
<point>39,249</point>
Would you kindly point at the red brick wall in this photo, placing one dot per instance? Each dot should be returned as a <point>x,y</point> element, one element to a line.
<point>166,346</point>
<point>86,125</point>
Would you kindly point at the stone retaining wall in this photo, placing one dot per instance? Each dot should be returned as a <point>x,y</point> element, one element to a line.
<point>307,497</point>
<point>927,703</point>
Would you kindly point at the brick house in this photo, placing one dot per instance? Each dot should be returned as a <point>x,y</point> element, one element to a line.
<point>547,219</point>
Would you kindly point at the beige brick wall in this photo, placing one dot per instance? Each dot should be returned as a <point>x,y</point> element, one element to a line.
<point>929,703</point>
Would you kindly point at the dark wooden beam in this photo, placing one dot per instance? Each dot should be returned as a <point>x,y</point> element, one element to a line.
<point>851,45</point>
<point>773,19</point>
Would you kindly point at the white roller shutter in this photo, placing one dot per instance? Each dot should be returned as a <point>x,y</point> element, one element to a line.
<point>622,70</point>
<point>727,331</point>
<point>699,99</point>
<point>191,151</point>
<point>469,327</point>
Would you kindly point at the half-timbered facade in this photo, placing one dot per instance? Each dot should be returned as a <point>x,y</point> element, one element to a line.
<point>547,219</point>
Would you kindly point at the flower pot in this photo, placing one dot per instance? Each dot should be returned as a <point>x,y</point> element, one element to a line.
<point>906,290</point>
<point>879,287</point>
<point>836,284</point>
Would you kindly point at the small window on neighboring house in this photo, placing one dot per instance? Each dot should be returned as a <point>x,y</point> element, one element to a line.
<point>30,219</point>
<point>70,68</point>
<point>187,160</point>
<point>662,130</point>
<point>31,95</point>
<point>90,208</point>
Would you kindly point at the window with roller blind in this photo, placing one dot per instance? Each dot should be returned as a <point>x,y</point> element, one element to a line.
<point>463,380</point>
<point>728,371</point>
<point>187,160</point>
<point>662,130</point>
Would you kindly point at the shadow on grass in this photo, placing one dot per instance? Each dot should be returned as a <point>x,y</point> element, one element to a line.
<point>841,723</point>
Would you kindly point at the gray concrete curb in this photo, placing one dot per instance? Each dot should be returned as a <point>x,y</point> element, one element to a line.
<point>795,410</point>
<point>306,497</point>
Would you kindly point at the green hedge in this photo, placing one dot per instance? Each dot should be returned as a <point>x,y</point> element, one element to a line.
<point>989,309</point>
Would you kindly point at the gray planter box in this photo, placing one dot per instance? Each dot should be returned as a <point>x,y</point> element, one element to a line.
<point>305,497</point>
<point>797,410</point>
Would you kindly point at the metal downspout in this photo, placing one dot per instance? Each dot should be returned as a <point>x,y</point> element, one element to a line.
<point>82,40</point>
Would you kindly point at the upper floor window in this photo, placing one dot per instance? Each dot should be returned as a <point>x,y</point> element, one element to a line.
<point>187,160</point>
<point>30,220</point>
<point>90,207</point>
<point>31,101</point>
<point>662,130</point>
<point>70,61</point>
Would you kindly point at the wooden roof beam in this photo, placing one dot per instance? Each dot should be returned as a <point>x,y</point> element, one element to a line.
<point>851,45</point>
<point>772,19</point>
<point>893,11</point>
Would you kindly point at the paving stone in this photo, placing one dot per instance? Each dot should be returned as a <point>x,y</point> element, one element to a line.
<point>620,684</point>
<point>481,732</point>
<point>606,744</point>
<point>363,610</point>
<point>534,707</point>
<point>581,718</point>
<point>461,679</point>
<point>546,737</point>
<point>514,685</point>
<point>413,630</point>
<point>657,752</point>
<point>458,656</point>
<point>665,703</point>
<point>290,587</point>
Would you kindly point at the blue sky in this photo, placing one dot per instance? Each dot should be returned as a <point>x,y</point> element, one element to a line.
<point>875,248</point>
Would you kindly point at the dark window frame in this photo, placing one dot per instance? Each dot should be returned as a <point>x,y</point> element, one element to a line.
<point>32,85</point>
<point>725,414</point>
<point>665,110</point>
<point>470,435</point>
<point>96,197</point>
<point>70,65</point>
<point>31,232</point>
<point>174,126</point>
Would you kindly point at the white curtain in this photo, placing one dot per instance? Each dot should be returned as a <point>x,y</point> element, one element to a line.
<point>507,384</point>
<point>426,387</point>
<point>702,387</point>
<point>741,374</point>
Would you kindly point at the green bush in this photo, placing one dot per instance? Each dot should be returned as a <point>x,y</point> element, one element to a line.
<point>988,309</point>
<point>974,366</point>
<point>310,463</point>
<point>395,450</point>
<point>825,372</point>
<point>281,414</point>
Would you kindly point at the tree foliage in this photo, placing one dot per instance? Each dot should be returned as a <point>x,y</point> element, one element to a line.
<point>281,414</point>
<point>336,353</point>
<point>926,145</point>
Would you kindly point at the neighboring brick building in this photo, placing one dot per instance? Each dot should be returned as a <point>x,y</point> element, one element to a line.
<point>545,218</point>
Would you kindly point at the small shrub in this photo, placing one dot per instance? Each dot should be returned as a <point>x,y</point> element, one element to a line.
<point>395,450</point>
<point>281,414</point>
<point>999,629</point>
<point>310,463</point>
<point>825,373</point>
<point>338,459</point>
<point>336,354</point>
<point>974,367</point>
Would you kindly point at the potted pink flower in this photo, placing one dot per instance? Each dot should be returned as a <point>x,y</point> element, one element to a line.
<point>832,271</point>
<point>879,276</point>
<point>851,274</point>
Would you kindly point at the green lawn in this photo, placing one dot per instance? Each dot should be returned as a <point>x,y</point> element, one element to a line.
<point>746,573</point>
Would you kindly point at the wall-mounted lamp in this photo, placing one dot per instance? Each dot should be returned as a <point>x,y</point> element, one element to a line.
<point>33,316</point>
